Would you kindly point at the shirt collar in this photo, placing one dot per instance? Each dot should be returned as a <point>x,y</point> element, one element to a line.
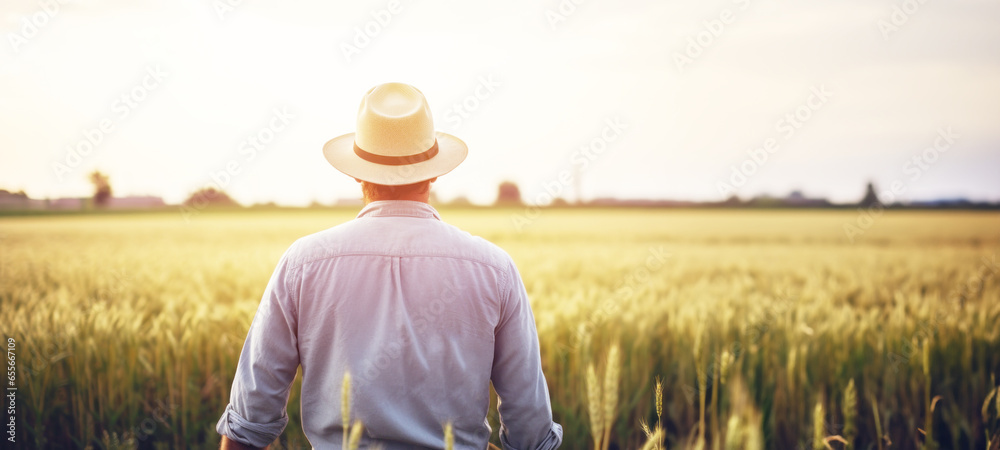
<point>399,208</point>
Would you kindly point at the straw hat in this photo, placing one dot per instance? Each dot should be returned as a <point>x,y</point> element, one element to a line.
<point>395,142</point>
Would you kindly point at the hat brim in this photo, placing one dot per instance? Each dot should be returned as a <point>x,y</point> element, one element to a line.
<point>339,152</point>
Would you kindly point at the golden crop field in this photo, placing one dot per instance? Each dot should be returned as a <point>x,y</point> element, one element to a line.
<point>769,329</point>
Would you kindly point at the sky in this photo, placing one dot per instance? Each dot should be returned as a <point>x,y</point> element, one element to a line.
<point>674,99</point>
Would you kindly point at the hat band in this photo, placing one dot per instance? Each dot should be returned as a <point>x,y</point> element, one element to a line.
<point>397,160</point>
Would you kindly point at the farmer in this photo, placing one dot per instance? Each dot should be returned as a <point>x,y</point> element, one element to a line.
<point>423,315</point>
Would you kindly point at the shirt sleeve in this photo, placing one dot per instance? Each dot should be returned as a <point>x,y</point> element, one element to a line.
<point>256,414</point>
<point>524,405</point>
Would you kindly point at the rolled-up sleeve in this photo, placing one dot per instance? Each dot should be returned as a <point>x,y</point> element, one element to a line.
<point>256,414</point>
<point>524,405</point>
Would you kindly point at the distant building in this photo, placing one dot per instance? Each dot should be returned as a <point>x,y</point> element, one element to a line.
<point>870,198</point>
<point>21,201</point>
<point>461,200</point>
<point>638,202</point>
<point>66,203</point>
<point>18,200</point>
<point>766,201</point>
<point>733,200</point>
<point>135,202</point>
<point>508,194</point>
<point>797,198</point>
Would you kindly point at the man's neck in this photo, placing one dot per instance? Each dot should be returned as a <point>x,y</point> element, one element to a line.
<point>413,198</point>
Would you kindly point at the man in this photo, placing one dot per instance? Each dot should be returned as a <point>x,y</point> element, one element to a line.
<point>423,315</point>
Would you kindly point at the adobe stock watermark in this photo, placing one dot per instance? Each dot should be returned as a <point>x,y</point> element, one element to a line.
<point>401,174</point>
<point>223,7</point>
<point>757,157</point>
<point>915,167</point>
<point>580,159</point>
<point>655,261</point>
<point>34,23</point>
<point>712,30</point>
<point>899,16</point>
<point>462,110</point>
<point>121,109</point>
<point>751,336</point>
<point>248,150</point>
<point>122,281</point>
<point>39,358</point>
<point>10,392</point>
<point>160,412</point>
<point>561,12</point>
<point>366,33</point>
<point>424,316</point>
<point>927,329</point>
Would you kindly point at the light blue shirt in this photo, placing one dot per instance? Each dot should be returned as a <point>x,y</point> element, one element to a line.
<point>422,314</point>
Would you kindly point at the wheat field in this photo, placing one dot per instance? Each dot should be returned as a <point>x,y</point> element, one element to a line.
<point>768,329</point>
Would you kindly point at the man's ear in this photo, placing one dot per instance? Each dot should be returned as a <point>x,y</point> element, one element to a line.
<point>357,180</point>
<point>434,179</point>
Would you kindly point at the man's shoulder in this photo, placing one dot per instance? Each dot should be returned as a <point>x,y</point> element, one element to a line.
<point>481,247</point>
<point>431,239</point>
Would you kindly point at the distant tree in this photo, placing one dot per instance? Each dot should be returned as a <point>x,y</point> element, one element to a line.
<point>102,188</point>
<point>870,199</point>
<point>461,200</point>
<point>209,196</point>
<point>19,194</point>
<point>508,194</point>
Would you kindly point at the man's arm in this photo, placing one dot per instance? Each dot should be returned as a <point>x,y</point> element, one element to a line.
<point>524,405</point>
<point>229,444</point>
<point>256,415</point>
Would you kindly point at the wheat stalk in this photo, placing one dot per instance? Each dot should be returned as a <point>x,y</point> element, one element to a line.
<point>594,406</point>
<point>819,430</point>
<point>611,373</point>
<point>654,440</point>
<point>878,422</point>
<point>702,391</point>
<point>986,403</point>
<point>715,399</point>
<point>792,356</point>
<point>850,410</point>
<point>345,405</point>
<point>355,439</point>
<point>986,408</point>
<point>659,401</point>
<point>733,441</point>
<point>726,364</point>
<point>929,442</point>
<point>449,437</point>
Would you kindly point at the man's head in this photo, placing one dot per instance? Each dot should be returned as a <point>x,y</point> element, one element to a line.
<point>395,152</point>
<point>418,192</point>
